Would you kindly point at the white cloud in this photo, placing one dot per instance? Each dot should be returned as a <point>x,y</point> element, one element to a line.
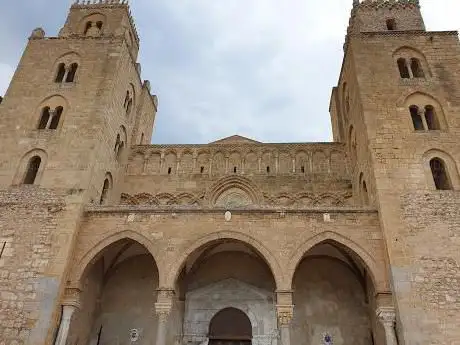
<point>260,68</point>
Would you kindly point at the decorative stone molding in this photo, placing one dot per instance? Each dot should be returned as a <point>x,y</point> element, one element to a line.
<point>386,315</point>
<point>285,314</point>
<point>72,297</point>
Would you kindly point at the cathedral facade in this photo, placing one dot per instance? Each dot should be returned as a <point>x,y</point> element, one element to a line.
<point>106,239</point>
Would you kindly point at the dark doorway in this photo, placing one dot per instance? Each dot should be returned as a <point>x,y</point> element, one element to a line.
<point>230,326</point>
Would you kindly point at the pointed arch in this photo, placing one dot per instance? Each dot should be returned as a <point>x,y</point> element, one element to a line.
<point>233,182</point>
<point>170,277</point>
<point>93,254</point>
<point>376,272</point>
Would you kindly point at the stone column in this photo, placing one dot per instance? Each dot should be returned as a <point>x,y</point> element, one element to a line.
<point>163,308</point>
<point>387,317</point>
<point>284,314</point>
<point>70,303</point>
<point>284,311</point>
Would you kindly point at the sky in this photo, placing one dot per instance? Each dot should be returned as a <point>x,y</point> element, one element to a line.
<point>263,69</point>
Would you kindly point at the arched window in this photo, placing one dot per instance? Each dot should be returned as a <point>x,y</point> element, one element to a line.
<point>128,107</point>
<point>60,73</point>
<point>431,118</point>
<point>391,24</point>
<point>416,68</point>
<point>56,116</point>
<point>105,191</point>
<point>403,70</point>
<point>71,74</point>
<point>126,100</point>
<point>268,170</point>
<point>99,25</point>
<point>44,118</point>
<point>416,118</point>
<point>32,170</point>
<point>88,26</point>
<point>440,176</point>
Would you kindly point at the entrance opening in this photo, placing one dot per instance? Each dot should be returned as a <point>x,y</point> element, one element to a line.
<point>230,326</point>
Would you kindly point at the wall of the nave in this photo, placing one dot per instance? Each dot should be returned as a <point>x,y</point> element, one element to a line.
<point>328,299</point>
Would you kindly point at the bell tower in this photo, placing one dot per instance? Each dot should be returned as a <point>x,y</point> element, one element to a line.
<point>397,107</point>
<point>75,107</point>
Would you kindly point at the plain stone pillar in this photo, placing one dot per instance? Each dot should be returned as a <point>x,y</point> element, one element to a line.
<point>387,317</point>
<point>163,317</point>
<point>67,312</point>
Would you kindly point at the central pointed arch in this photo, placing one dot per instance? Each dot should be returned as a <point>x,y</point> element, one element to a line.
<point>172,275</point>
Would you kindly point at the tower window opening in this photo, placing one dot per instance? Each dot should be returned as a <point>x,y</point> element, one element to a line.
<point>44,119</point>
<point>202,170</point>
<point>87,27</point>
<point>56,117</point>
<point>32,170</point>
<point>169,171</point>
<point>391,24</point>
<point>142,139</point>
<point>60,73</point>
<point>105,192</point>
<point>416,67</point>
<point>431,118</point>
<point>439,172</point>
<point>71,74</point>
<point>268,170</point>
<point>99,25</point>
<point>234,170</point>
<point>365,193</point>
<point>302,169</point>
<point>403,69</point>
<point>416,118</point>
<point>128,107</point>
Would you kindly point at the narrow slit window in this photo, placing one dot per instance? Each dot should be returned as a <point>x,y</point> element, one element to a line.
<point>99,25</point>
<point>202,170</point>
<point>72,72</point>
<point>268,170</point>
<point>56,117</point>
<point>60,73</point>
<point>142,139</point>
<point>32,170</point>
<point>128,107</point>
<point>391,24</point>
<point>365,194</point>
<point>234,170</point>
<point>44,118</point>
<point>416,118</point>
<point>105,191</point>
<point>403,70</point>
<point>302,169</point>
<point>439,172</point>
<point>169,171</point>
<point>431,118</point>
<point>416,67</point>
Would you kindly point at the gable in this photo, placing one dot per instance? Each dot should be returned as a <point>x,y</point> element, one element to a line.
<point>235,139</point>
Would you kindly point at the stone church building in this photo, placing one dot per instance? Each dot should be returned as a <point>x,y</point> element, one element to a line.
<point>108,240</point>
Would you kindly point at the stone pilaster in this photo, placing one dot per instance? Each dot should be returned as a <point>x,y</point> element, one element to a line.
<point>387,316</point>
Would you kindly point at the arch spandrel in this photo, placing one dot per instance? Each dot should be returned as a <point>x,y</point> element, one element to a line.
<point>375,269</point>
<point>87,258</point>
<point>169,276</point>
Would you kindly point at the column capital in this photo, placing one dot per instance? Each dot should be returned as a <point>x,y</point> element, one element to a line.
<point>72,297</point>
<point>284,313</point>
<point>386,315</point>
<point>164,303</point>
